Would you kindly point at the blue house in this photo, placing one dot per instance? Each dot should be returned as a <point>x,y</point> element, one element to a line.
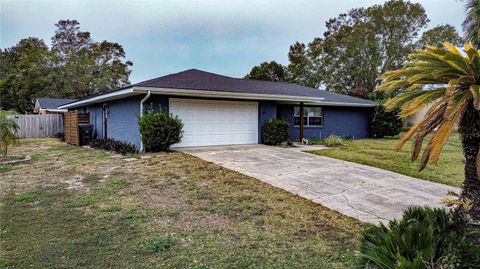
<point>220,110</point>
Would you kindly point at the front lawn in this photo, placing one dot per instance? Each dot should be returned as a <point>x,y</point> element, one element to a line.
<point>74,207</point>
<point>381,153</point>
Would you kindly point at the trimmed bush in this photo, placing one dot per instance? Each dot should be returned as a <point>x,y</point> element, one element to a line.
<point>275,131</point>
<point>160,130</point>
<point>384,123</point>
<point>334,141</point>
<point>117,146</point>
<point>424,238</point>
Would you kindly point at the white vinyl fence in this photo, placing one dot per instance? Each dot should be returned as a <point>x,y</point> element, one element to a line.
<point>34,126</point>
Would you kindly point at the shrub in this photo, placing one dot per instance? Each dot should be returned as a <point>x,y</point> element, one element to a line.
<point>424,238</point>
<point>160,130</point>
<point>117,146</point>
<point>275,131</point>
<point>334,141</point>
<point>385,123</point>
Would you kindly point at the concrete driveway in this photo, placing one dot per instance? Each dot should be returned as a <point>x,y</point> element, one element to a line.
<point>366,193</point>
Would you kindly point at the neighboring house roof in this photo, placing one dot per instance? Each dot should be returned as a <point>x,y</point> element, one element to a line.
<point>195,82</point>
<point>51,103</point>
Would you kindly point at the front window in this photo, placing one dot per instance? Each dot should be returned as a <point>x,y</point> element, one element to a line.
<point>312,116</point>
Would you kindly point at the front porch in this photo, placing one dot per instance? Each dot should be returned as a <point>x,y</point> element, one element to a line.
<point>319,121</point>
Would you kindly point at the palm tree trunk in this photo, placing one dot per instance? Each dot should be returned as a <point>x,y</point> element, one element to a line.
<point>470,136</point>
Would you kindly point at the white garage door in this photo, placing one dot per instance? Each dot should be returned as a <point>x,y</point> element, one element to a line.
<point>212,122</point>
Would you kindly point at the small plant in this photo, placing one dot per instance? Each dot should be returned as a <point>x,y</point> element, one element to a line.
<point>275,132</point>
<point>425,238</point>
<point>26,197</point>
<point>334,141</point>
<point>117,146</point>
<point>8,132</point>
<point>160,130</point>
<point>157,244</point>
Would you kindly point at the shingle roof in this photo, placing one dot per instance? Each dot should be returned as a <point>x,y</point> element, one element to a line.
<point>194,79</point>
<point>53,103</point>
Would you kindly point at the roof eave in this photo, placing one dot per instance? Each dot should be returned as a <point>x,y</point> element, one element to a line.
<point>100,98</point>
<point>226,94</point>
<point>207,94</point>
<point>348,104</point>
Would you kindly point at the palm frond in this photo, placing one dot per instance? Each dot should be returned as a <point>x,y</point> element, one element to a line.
<point>453,79</point>
<point>456,108</point>
<point>434,112</point>
<point>475,90</point>
<point>430,124</point>
<point>471,24</point>
<point>416,104</point>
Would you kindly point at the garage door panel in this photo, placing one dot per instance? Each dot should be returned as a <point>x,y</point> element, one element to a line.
<point>213,122</point>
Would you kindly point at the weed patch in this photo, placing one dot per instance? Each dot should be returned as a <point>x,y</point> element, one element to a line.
<point>26,197</point>
<point>155,245</point>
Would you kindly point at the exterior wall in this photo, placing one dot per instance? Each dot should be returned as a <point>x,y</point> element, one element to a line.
<point>266,110</point>
<point>342,121</point>
<point>157,103</point>
<point>96,119</point>
<point>123,119</point>
<point>122,122</point>
<point>417,117</point>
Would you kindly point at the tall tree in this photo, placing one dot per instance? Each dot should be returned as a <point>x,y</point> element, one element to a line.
<point>25,73</point>
<point>365,42</point>
<point>271,71</point>
<point>471,24</point>
<point>439,35</point>
<point>301,69</point>
<point>447,81</point>
<point>84,67</point>
<point>74,67</point>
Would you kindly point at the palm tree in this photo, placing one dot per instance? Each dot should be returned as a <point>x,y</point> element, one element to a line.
<point>448,81</point>
<point>471,24</point>
<point>8,131</point>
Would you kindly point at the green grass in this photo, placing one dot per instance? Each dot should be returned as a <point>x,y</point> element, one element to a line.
<point>171,210</point>
<point>380,153</point>
<point>26,197</point>
<point>157,244</point>
<point>132,156</point>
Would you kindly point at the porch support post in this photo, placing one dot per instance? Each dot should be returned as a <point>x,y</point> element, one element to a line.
<point>301,122</point>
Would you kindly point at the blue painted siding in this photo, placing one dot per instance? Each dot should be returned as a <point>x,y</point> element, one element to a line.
<point>157,103</point>
<point>266,110</point>
<point>342,121</point>
<point>96,120</point>
<point>346,121</point>
<point>123,119</point>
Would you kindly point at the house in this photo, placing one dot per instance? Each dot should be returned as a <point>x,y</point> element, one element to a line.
<point>220,110</point>
<point>45,106</point>
<point>417,117</point>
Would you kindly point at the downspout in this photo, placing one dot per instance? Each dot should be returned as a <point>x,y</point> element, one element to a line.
<point>141,114</point>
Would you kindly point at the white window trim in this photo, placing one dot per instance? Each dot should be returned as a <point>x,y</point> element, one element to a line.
<point>308,120</point>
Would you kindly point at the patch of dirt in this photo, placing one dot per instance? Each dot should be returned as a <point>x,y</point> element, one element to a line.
<point>74,183</point>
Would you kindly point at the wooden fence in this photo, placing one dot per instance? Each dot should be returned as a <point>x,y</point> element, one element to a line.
<point>34,126</point>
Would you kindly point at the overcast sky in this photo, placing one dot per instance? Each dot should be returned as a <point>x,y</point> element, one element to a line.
<point>226,37</point>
